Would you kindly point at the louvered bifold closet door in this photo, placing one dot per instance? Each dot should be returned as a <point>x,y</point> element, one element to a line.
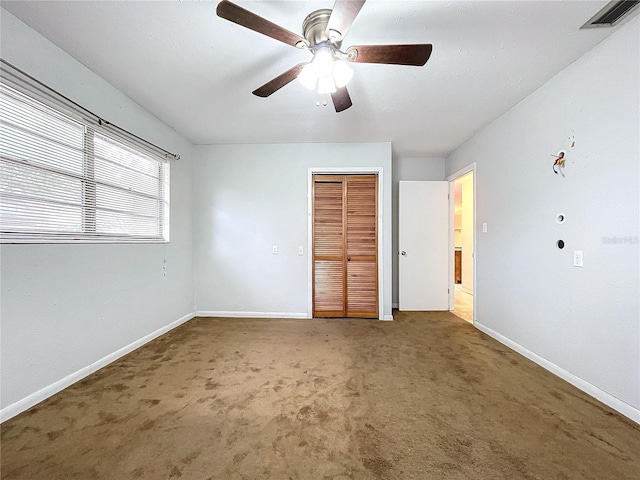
<point>328,247</point>
<point>362,246</point>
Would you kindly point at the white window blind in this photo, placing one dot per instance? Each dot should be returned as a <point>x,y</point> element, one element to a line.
<point>65,179</point>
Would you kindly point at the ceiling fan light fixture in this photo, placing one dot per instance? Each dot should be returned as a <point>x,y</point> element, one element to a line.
<point>326,84</point>
<point>308,76</point>
<point>323,61</point>
<point>326,72</point>
<point>342,73</point>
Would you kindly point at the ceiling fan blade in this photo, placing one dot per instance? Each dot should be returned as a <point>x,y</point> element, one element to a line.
<point>279,82</point>
<point>392,54</point>
<point>234,13</point>
<point>341,99</point>
<point>342,16</point>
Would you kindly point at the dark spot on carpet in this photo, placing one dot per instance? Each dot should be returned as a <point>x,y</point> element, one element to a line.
<point>378,466</point>
<point>304,413</point>
<point>175,472</point>
<point>107,417</point>
<point>191,457</point>
<point>53,435</point>
<point>148,425</point>
<point>210,384</point>
<point>238,457</point>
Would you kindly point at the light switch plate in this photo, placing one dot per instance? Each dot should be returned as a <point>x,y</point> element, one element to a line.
<point>274,249</point>
<point>300,250</point>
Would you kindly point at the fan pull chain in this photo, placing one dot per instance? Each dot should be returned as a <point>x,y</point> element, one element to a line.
<point>322,102</point>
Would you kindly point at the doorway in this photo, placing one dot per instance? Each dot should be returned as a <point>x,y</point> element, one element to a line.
<point>462,196</point>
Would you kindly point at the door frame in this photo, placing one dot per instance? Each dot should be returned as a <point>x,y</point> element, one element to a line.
<point>344,171</point>
<point>451,179</point>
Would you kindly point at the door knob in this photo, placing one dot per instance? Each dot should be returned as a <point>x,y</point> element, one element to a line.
<point>403,253</point>
<point>348,259</point>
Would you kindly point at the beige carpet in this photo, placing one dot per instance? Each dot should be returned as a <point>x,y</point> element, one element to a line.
<point>424,397</point>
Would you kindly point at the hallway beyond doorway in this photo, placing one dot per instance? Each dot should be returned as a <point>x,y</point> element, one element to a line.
<point>462,243</point>
<point>463,304</point>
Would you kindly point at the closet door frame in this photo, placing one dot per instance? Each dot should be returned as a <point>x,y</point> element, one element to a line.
<point>343,171</point>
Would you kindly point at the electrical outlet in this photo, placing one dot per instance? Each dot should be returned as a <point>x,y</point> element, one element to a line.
<point>577,258</point>
<point>274,249</point>
<point>300,250</point>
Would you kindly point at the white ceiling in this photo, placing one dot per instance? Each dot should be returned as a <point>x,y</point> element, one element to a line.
<point>196,71</point>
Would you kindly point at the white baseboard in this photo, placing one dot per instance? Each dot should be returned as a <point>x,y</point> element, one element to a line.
<point>29,401</point>
<point>606,398</point>
<point>234,314</point>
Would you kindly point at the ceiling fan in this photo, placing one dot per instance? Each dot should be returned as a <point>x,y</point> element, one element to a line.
<point>323,32</point>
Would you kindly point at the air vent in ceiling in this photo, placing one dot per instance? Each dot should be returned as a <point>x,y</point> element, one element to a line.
<point>612,14</point>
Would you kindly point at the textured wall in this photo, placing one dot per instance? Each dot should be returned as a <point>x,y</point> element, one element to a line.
<point>248,198</point>
<point>585,321</point>
<point>67,306</point>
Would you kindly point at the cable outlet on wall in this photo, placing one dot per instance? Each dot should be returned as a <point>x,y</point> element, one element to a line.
<point>274,249</point>
<point>577,258</point>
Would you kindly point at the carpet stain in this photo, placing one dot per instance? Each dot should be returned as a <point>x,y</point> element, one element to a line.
<point>53,435</point>
<point>175,472</point>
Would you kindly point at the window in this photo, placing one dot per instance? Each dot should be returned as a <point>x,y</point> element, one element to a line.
<point>63,178</point>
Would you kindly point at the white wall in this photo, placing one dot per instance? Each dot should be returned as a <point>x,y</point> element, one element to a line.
<point>582,323</point>
<point>65,307</point>
<point>248,198</point>
<point>407,168</point>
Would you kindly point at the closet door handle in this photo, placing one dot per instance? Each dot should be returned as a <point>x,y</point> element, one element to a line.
<point>348,259</point>
<point>403,253</point>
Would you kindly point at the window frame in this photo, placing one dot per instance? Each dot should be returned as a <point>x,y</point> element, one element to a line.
<point>92,127</point>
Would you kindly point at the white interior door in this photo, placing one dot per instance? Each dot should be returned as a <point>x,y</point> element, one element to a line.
<point>423,238</point>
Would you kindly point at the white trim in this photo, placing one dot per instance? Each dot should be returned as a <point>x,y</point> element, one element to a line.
<point>462,172</point>
<point>452,245</point>
<point>606,398</point>
<point>387,318</point>
<point>30,400</point>
<point>235,314</point>
<point>346,171</point>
